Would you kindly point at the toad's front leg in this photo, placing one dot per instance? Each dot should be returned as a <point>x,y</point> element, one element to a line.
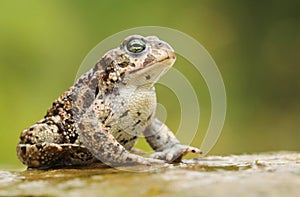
<point>166,145</point>
<point>102,144</point>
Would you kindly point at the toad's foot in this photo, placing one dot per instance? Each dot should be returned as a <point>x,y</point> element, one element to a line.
<point>175,153</point>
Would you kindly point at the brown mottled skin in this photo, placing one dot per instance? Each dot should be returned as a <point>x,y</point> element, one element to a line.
<point>102,115</point>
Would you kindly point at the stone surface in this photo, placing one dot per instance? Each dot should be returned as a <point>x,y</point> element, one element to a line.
<point>269,174</point>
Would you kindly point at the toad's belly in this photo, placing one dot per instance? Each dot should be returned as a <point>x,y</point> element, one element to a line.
<point>130,120</point>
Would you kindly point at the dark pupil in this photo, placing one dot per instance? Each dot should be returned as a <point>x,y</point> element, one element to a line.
<point>136,46</point>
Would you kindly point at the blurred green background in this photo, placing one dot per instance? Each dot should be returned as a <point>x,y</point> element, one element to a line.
<point>256,45</point>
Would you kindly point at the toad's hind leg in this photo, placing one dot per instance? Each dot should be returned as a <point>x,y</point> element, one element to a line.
<point>41,155</point>
<point>38,146</point>
<point>48,155</point>
<point>42,146</point>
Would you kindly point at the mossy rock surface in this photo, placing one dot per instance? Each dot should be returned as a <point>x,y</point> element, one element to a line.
<point>270,174</point>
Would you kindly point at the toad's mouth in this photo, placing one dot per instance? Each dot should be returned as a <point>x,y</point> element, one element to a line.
<point>163,63</point>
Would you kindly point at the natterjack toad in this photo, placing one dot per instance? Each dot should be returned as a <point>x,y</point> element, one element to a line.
<point>102,115</point>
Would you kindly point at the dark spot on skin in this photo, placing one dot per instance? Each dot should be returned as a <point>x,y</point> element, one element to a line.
<point>122,75</point>
<point>123,64</point>
<point>132,64</point>
<point>158,137</point>
<point>148,77</point>
<point>115,149</point>
<point>101,150</point>
<point>193,151</point>
<point>31,129</point>
<point>124,114</point>
<point>138,122</point>
<point>80,81</point>
<point>128,159</point>
<point>149,59</point>
<point>148,118</point>
<point>110,145</point>
<point>70,121</point>
<point>97,91</point>
<point>108,155</point>
<point>119,131</point>
<point>23,149</point>
<point>107,91</point>
<point>39,146</point>
<point>138,113</point>
<point>123,141</point>
<point>133,138</point>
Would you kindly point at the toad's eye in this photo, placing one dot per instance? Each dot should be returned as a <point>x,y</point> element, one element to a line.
<point>136,45</point>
